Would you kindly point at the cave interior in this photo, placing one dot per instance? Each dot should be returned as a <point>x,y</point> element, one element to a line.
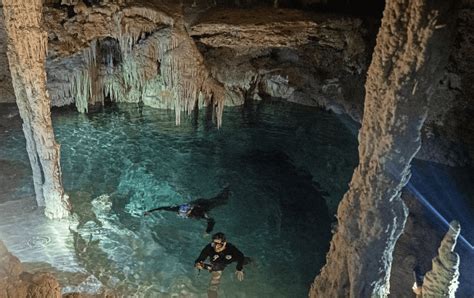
<point>339,134</point>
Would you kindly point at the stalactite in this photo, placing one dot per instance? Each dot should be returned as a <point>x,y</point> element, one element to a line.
<point>167,56</point>
<point>181,67</point>
<point>184,72</point>
<point>81,90</point>
<point>113,88</point>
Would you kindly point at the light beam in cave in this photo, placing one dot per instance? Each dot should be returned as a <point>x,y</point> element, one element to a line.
<point>422,199</point>
<point>430,207</point>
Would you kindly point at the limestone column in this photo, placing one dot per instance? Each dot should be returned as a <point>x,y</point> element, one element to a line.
<point>27,46</point>
<point>407,63</point>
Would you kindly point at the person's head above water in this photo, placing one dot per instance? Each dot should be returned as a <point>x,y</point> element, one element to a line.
<point>218,241</point>
<point>185,210</point>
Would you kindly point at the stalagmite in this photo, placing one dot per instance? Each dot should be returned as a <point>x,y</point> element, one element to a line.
<point>442,280</point>
<point>410,53</point>
<point>27,46</point>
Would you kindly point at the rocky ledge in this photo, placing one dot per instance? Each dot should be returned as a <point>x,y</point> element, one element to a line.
<point>15,282</point>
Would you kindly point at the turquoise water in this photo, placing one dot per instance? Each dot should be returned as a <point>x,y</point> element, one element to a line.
<point>287,166</point>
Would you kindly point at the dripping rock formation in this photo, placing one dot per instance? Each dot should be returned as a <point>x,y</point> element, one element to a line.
<point>185,57</point>
<point>114,50</point>
<point>134,53</point>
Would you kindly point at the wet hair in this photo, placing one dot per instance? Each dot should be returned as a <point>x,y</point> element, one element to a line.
<point>219,236</point>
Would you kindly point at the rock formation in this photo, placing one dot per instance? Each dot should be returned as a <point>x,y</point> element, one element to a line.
<point>27,46</point>
<point>14,282</point>
<point>128,52</point>
<point>156,53</point>
<point>442,280</point>
<point>410,54</point>
<point>416,247</point>
<point>6,88</point>
<point>133,53</point>
<point>307,58</point>
<point>448,134</point>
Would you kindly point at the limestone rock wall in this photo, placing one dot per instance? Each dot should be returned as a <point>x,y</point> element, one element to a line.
<point>260,57</point>
<point>310,59</point>
<point>7,94</point>
<point>448,135</point>
<point>409,57</point>
<point>324,64</point>
<point>322,61</point>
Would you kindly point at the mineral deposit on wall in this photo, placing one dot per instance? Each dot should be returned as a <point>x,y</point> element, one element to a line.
<point>27,46</point>
<point>409,57</point>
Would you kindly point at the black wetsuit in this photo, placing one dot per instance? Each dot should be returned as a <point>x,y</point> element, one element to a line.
<point>219,260</point>
<point>201,207</point>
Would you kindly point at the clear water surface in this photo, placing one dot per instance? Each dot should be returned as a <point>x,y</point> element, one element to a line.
<point>287,167</point>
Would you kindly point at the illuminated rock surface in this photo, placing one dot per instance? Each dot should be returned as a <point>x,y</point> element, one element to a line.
<point>167,57</point>
<point>371,215</point>
<point>133,53</point>
<point>442,280</point>
<point>27,46</point>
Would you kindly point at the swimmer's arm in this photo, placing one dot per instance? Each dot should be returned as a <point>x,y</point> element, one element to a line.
<point>165,208</point>
<point>205,253</point>
<point>239,256</point>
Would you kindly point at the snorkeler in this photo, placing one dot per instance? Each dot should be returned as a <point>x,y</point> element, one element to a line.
<point>198,209</point>
<point>220,253</point>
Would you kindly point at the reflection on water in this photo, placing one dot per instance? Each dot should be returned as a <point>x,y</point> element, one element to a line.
<point>281,161</point>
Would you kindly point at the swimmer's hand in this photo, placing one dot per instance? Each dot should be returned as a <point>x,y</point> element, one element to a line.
<point>199,265</point>
<point>240,275</point>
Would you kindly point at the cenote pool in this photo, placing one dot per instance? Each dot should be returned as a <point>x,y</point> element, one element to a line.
<point>287,167</point>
